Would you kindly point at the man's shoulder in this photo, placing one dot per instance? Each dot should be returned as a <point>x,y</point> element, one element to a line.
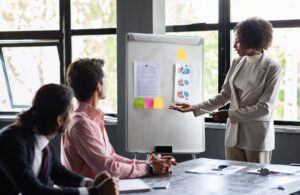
<point>11,131</point>
<point>12,135</point>
<point>80,121</point>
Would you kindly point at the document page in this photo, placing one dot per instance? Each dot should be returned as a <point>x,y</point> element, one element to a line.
<point>133,185</point>
<point>146,79</point>
<point>279,169</point>
<point>213,169</point>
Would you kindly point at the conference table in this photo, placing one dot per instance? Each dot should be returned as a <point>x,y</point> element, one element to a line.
<point>240,182</point>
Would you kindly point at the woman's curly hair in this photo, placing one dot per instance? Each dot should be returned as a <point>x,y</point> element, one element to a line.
<point>254,33</point>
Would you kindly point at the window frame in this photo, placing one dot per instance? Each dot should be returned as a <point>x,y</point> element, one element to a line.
<point>65,33</point>
<point>29,39</point>
<point>69,33</point>
<point>23,43</point>
<point>224,27</point>
<point>61,37</point>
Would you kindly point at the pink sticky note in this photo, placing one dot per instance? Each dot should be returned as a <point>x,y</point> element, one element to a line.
<point>148,103</point>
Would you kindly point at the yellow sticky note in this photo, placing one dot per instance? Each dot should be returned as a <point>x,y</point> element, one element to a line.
<point>158,103</point>
<point>181,54</point>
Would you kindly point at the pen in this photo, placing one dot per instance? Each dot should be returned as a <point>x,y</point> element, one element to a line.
<point>220,167</point>
<point>206,111</point>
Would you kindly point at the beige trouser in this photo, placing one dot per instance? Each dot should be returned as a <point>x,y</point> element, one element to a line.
<point>238,154</point>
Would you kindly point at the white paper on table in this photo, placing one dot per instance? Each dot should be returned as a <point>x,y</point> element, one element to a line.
<point>133,185</point>
<point>211,169</point>
<point>146,79</point>
<point>280,169</point>
<point>183,84</point>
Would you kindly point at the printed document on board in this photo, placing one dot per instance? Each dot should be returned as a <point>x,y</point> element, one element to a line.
<point>183,84</point>
<point>146,79</point>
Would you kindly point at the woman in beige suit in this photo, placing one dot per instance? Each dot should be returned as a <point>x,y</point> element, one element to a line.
<point>251,87</point>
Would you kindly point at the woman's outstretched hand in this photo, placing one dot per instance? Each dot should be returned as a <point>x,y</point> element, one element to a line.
<point>182,107</point>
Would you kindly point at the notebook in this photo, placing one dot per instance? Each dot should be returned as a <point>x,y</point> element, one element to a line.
<point>133,185</point>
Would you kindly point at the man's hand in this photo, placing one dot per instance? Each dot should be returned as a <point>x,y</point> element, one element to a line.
<point>100,178</point>
<point>108,186</point>
<point>162,165</point>
<point>181,107</point>
<point>220,116</point>
<point>171,160</point>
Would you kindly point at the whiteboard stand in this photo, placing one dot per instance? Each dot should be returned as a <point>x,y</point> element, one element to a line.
<point>193,156</point>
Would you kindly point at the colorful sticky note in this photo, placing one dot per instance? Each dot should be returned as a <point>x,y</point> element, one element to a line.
<point>158,103</point>
<point>181,54</point>
<point>138,102</point>
<point>148,103</point>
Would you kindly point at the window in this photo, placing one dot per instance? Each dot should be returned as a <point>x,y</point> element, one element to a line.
<point>30,51</point>
<point>23,71</point>
<point>24,15</point>
<point>89,14</point>
<point>182,18</point>
<point>100,46</point>
<point>210,80</point>
<point>39,39</point>
<point>267,9</point>
<point>285,50</point>
<point>183,12</point>
<point>192,18</point>
<point>93,36</point>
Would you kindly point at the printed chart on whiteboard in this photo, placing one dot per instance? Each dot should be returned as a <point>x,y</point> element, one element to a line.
<point>183,85</point>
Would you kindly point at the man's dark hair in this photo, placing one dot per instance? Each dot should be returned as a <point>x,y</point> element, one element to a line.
<point>83,76</point>
<point>254,33</point>
<point>50,101</point>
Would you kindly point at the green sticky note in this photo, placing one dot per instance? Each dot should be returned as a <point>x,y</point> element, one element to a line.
<point>138,102</point>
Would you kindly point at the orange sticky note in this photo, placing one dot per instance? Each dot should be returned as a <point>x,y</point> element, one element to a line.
<point>158,103</point>
<point>181,54</point>
<point>148,103</point>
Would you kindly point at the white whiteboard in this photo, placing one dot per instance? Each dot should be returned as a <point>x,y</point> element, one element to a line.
<point>147,128</point>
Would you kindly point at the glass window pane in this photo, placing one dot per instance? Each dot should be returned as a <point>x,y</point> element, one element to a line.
<point>93,14</point>
<point>267,9</point>
<point>210,61</point>
<point>17,15</point>
<point>191,11</point>
<point>285,50</point>
<point>104,47</point>
<point>25,70</point>
<point>233,53</point>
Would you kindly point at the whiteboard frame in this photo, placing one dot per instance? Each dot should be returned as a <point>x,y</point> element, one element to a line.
<point>163,39</point>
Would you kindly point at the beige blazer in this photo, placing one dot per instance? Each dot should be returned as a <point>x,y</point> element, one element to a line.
<point>249,124</point>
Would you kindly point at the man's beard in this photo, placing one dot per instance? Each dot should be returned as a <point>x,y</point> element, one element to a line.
<point>62,128</point>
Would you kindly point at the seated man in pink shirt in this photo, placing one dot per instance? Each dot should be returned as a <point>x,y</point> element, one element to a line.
<point>85,145</point>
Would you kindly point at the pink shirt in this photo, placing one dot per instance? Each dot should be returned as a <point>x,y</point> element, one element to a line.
<point>85,147</point>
